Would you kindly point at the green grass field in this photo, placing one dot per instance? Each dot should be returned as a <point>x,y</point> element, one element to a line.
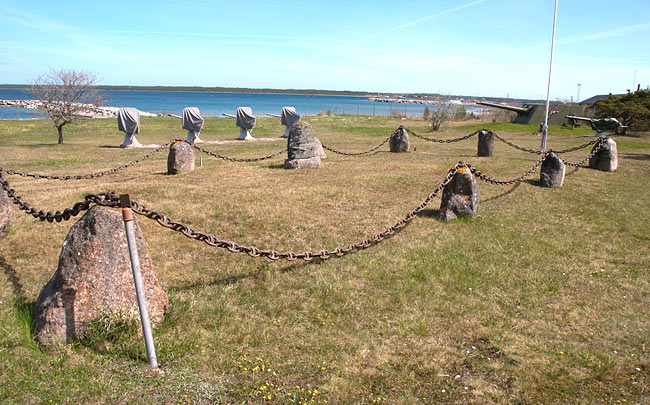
<point>544,298</point>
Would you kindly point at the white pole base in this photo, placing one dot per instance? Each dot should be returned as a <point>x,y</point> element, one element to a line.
<point>193,137</point>
<point>244,135</point>
<point>286,132</point>
<point>130,142</point>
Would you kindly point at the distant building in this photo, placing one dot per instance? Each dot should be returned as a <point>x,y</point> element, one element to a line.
<point>592,100</point>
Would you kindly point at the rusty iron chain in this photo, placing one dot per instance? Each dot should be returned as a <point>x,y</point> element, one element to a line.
<point>89,175</point>
<point>599,145</point>
<point>104,199</point>
<point>440,140</point>
<point>521,148</point>
<point>234,247</point>
<point>518,179</point>
<point>358,153</point>
<point>575,148</point>
<point>232,159</point>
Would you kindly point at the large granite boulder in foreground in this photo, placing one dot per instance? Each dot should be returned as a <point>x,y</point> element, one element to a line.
<point>460,196</point>
<point>5,213</point>
<point>303,147</point>
<point>606,159</point>
<point>94,278</point>
<point>399,141</point>
<point>181,158</point>
<point>552,173</point>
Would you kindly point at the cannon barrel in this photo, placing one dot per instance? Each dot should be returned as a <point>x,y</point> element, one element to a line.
<point>573,117</point>
<point>175,116</point>
<point>518,110</point>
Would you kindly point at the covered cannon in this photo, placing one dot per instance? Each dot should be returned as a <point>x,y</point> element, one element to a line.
<point>288,117</point>
<point>128,121</point>
<point>245,121</point>
<point>193,122</point>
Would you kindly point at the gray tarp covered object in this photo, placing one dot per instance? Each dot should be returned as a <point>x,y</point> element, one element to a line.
<point>245,118</point>
<point>192,120</point>
<point>128,120</point>
<point>289,116</point>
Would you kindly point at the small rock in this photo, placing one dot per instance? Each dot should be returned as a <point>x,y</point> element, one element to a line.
<point>94,278</point>
<point>552,173</point>
<point>181,158</point>
<point>460,196</point>
<point>399,141</point>
<point>485,143</point>
<point>5,213</point>
<point>308,163</point>
<point>606,159</point>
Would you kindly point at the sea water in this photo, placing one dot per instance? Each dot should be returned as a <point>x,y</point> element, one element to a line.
<point>215,104</point>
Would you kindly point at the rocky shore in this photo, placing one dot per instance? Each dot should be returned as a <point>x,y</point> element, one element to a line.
<point>85,110</point>
<point>417,101</point>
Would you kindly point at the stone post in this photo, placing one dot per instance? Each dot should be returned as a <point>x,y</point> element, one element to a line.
<point>181,158</point>
<point>94,279</point>
<point>303,149</point>
<point>399,141</point>
<point>5,213</point>
<point>460,196</point>
<point>552,173</point>
<point>606,159</point>
<point>485,143</point>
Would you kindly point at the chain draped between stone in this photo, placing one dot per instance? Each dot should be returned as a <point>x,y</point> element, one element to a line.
<point>89,175</point>
<point>600,144</point>
<point>410,132</point>
<point>111,199</point>
<point>358,153</point>
<point>231,159</point>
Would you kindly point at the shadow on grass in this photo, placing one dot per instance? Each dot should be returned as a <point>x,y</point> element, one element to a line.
<point>431,213</point>
<point>498,196</point>
<point>574,171</point>
<point>635,156</point>
<point>256,273</point>
<point>16,285</point>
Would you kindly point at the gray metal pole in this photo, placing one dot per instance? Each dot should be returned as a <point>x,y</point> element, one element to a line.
<point>127,215</point>
<point>548,89</point>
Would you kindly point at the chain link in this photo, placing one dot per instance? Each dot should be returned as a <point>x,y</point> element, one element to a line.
<point>231,159</point>
<point>234,247</point>
<point>575,148</point>
<point>521,148</point>
<point>104,199</point>
<point>440,140</point>
<point>89,175</point>
<point>518,179</point>
<point>359,153</point>
<point>599,145</point>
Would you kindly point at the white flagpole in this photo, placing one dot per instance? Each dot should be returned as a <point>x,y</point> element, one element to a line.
<point>548,89</point>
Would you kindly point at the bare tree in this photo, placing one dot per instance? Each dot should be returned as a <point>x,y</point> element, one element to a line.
<point>63,93</point>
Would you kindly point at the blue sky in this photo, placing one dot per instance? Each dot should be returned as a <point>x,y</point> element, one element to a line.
<point>472,47</point>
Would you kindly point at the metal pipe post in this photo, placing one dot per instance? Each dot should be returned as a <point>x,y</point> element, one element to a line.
<point>127,215</point>
<point>548,89</point>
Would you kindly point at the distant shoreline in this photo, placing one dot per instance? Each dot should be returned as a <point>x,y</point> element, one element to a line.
<point>301,92</point>
<point>234,90</point>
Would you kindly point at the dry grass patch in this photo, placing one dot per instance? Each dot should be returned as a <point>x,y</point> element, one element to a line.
<point>542,298</point>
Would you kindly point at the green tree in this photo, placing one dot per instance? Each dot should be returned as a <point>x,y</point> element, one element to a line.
<point>632,109</point>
